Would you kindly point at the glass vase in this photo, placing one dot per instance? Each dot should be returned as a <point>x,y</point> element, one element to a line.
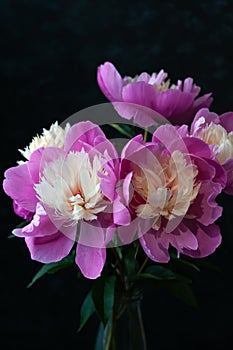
<point>125,331</point>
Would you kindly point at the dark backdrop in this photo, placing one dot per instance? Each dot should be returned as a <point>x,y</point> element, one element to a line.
<point>50,51</point>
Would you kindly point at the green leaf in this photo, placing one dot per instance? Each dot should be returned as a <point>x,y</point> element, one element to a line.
<point>99,338</point>
<point>185,263</point>
<point>206,263</point>
<point>184,293</point>
<point>103,296</point>
<point>87,310</point>
<point>104,339</point>
<point>160,272</point>
<point>21,225</point>
<point>154,274</point>
<point>107,338</point>
<point>123,130</point>
<point>130,262</point>
<point>118,251</point>
<point>52,268</point>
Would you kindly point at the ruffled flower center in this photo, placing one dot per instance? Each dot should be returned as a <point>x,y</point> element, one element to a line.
<point>71,186</point>
<point>158,80</point>
<point>54,137</point>
<point>220,140</point>
<point>168,188</point>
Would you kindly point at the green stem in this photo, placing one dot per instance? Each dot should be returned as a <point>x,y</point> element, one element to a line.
<point>143,265</point>
<point>145,135</point>
<point>141,326</point>
<point>121,130</point>
<point>137,332</point>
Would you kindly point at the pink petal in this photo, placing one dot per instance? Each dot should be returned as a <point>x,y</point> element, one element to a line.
<point>172,103</point>
<point>170,138</point>
<point>203,118</point>
<point>83,135</point>
<point>197,147</point>
<point>144,77</point>
<point>205,208</point>
<point>110,81</point>
<point>40,226</point>
<point>108,182</point>
<point>155,244</point>
<point>127,234</point>
<point>220,176</point>
<point>139,93</point>
<point>226,120</point>
<point>90,260</point>
<point>19,186</point>
<point>188,86</point>
<point>141,115</point>
<point>228,166</point>
<point>182,238</point>
<point>50,248</point>
<point>121,214</point>
<point>91,234</point>
<point>127,195</point>
<point>26,214</point>
<point>202,101</point>
<point>209,238</point>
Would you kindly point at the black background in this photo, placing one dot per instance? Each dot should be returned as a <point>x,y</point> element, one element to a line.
<point>50,51</point>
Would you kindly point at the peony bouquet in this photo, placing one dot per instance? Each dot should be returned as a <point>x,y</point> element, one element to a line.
<point>127,193</point>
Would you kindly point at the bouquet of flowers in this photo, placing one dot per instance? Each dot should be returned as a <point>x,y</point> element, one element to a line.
<point>131,210</point>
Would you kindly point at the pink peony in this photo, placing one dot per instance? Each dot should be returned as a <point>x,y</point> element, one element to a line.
<point>66,191</point>
<point>172,195</point>
<point>178,103</point>
<point>217,132</point>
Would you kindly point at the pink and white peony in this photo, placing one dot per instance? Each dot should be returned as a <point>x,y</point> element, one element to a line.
<point>63,188</point>
<point>217,132</point>
<point>174,183</point>
<point>176,102</point>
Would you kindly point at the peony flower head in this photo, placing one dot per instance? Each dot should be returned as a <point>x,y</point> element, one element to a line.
<point>54,137</point>
<point>177,102</point>
<point>217,132</point>
<point>67,192</point>
<point>175,183</point>
<point>71,186</point>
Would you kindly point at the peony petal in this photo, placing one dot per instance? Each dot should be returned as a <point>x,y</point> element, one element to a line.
<point>110,81</point>
<point>202,118</point>
<point>201,102</point>
<point>220,176</point>
<point>50,248</point>
<point>205,208</point>
<point>121,215</point>
<point>19,185</point>
<point>127,190</point>
<point>90,260</point>
<point>127,234</point>
<point>83,135</point>
<point>182,238</point>
<point>170,138</point>
<point>172,103</point>
<point>196,147</point>
<point>226,120</point>
<point>40,226</point>
<point>141,115</point>
<point>209,238</point>
<point>155,244</point>
<point>228,167</point>
<point>139,93</point>
<point>26,214</point>
<point>91,234</point>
